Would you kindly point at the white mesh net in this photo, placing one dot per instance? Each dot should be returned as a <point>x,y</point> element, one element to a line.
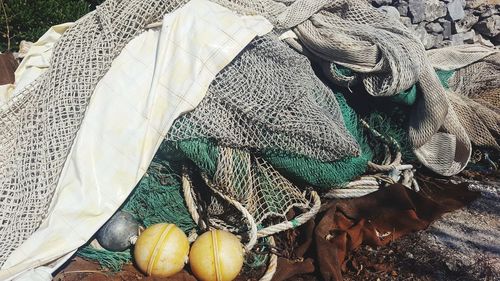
<point>477,100</point>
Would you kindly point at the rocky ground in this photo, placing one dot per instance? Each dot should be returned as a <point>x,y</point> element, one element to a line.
<point>441,23</point>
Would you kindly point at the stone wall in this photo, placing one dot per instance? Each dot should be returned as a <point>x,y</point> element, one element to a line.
<point>441,23</point>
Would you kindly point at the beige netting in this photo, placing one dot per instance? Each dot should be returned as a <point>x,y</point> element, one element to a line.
<point>388,60</point>
<point>39,126</point>
<point>249,197</point>
<point>269,98</point>
<point>254,183</point>
<point>477,102</point>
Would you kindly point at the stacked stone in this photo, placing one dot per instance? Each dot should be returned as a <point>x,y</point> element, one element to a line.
<point>441,23</point>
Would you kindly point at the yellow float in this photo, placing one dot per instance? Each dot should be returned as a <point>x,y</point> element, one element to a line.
<point>216,256</point>
<point>161,250</point>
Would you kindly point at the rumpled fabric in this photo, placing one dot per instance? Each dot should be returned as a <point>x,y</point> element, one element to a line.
<point>375,219</point>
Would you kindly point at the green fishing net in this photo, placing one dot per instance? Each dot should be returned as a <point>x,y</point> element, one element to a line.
<point>156,199</point>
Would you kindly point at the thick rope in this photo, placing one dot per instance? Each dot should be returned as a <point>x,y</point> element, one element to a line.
<point>273,263</point>
<point>297,221</point>
<point>251,222</point>
<point>348,193</point>
<point>392,167</point>
<point>190,202</point>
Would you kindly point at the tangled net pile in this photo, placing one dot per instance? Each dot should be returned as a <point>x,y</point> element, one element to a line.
<point>268,130</point>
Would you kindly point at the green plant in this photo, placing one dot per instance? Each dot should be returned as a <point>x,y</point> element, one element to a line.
<point>29,19</point>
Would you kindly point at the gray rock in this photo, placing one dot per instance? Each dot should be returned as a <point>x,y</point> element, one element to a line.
<point>434,9</point>
<point>434,27</point>
<point>461,38</point>
<point>444,43</point>
<point>456,10</point>
<point>438,39</point>
<point>489,27</point>
<point>403,9</point>
<point>468,37</point>
<point>417,10</point>
<point>446,29</point>
<point>496,40</point>
<point>466,23</point>
<point>420,32</point>
<point>478,38</point>
<point>381,2</point>
<point>428,40</point>
<point>473,4</point>
<point>480,10</point>
<point>489,12</point>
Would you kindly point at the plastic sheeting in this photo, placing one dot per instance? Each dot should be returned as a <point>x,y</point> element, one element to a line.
<point>160,75</point>
<point>34,63</point>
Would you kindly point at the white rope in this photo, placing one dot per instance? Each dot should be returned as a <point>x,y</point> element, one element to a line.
<point>154,25</point>
<point>190,202</point>
<point>251,222</point>
<point>348,193</point>
<point>273,260</point>
<point>367,182</point>
<point>297,221</point>
<point>273,263</point>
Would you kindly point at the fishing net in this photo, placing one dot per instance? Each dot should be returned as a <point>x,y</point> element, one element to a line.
<point>388,60</point>
<point>269,98</point>
<point>477,100</point>
<point>247,117</point>
<point>267,129</point>
<point>325,175</point>
<point>38,126</point>
<point>158,196</point>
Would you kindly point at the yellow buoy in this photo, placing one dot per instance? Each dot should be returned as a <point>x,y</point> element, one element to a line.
<point>216,256</point>
<point>161,250</point>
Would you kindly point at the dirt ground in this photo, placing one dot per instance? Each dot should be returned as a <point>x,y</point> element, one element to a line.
<point>462,245</point>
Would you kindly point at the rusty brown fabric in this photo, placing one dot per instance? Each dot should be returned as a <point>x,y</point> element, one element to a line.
<point>8,65</point>
<point>375,220</point>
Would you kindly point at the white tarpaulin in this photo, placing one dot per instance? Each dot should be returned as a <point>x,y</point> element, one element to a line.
<point>160,75</point>
<point>34,63</point>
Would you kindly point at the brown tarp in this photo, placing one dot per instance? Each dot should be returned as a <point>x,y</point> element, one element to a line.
<point>8,65</point>
<point>375,219</point>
